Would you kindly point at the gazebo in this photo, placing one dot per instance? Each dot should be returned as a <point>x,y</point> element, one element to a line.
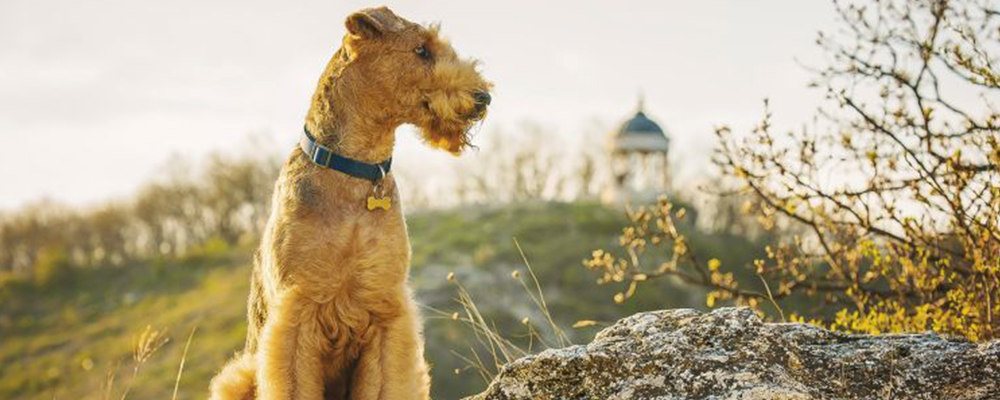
<point>638,152</point>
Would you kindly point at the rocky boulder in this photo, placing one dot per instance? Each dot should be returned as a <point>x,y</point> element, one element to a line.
<point>730,353</point>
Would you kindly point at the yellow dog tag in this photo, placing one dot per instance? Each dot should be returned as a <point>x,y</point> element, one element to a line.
<point>383,203</point>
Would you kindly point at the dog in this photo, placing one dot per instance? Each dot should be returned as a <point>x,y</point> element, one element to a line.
<point>329,312</point>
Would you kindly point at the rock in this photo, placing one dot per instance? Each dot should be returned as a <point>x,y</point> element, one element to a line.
<point>730,353</point>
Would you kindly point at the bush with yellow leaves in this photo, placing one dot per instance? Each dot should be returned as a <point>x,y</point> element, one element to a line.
<point>893,196</point>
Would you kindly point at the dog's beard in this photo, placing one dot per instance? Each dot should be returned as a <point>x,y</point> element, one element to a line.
<point>450,135</point>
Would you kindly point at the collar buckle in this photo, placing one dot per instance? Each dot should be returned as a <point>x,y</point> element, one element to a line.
<point>321,155</point>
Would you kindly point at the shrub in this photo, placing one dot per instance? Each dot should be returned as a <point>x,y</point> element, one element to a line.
<point>893,200</point>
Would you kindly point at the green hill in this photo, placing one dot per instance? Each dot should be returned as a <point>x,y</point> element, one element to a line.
<point>63,339</point>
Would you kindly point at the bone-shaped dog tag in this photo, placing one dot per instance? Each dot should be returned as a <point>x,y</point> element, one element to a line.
<point>383,203</point>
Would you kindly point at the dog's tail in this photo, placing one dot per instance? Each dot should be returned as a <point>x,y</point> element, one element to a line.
<point>236,381</point>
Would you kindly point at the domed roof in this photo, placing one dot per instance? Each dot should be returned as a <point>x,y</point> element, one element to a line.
<point>640,134</point>
<point>640,124</point>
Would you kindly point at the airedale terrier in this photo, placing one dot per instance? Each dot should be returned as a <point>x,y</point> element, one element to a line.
<point>330,315</point>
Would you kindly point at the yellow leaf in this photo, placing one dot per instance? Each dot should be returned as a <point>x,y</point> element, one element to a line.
<point>584,323</point>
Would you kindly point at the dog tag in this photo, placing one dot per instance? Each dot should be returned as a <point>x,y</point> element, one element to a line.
<point>383,203</point>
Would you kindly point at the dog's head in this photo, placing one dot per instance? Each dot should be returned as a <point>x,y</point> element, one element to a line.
<point>408,73</point>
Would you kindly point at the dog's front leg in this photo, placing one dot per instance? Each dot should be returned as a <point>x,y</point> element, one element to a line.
<point>290,349</point>
<point>392,365</point>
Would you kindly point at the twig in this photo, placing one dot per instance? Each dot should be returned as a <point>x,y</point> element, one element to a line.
<point>771,297</point>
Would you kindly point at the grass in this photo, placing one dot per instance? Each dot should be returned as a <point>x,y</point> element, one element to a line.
<point>65,340</point>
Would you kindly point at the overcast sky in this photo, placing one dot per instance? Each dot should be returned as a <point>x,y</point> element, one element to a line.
<point>95,96</point>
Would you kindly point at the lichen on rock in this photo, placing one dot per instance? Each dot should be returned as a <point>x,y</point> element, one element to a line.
<point>731,354</point>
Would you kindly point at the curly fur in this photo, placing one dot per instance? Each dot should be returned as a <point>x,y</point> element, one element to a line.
<point>330,316</point>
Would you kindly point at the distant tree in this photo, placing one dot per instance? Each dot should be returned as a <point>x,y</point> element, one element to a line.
<point>228,201</point>
<point>109,236</point>
<point>33,228</point>
<point>532,163</point>
<point>155,207</point>
<point>237,192</point>
<point>897,190</point>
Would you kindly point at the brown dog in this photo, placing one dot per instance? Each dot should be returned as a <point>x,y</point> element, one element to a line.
<point>329,312</point>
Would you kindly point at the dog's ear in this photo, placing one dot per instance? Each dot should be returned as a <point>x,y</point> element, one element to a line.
<point>373,22</point>
<point>364,24</point>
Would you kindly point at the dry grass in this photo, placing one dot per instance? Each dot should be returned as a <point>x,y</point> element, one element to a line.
<point>493,349</point>
<point>148,342</point>
<point>146,346</point>
<point>180,369</point>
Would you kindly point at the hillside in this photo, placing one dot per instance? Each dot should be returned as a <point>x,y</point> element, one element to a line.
<point>62,340</point>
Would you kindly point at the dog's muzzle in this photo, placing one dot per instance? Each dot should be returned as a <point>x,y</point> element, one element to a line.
<point>482,100</point>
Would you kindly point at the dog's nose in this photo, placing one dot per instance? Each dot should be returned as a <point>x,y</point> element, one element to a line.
<point>482,99</point>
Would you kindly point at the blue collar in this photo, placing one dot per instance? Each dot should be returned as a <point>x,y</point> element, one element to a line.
<point>325,157</point>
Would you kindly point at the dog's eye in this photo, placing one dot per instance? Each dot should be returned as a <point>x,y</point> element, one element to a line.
<point>422,52</point>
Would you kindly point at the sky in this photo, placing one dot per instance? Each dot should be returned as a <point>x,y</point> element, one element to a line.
<point>96,96</point>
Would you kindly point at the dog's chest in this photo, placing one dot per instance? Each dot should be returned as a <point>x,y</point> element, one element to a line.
<point>326,241</point>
